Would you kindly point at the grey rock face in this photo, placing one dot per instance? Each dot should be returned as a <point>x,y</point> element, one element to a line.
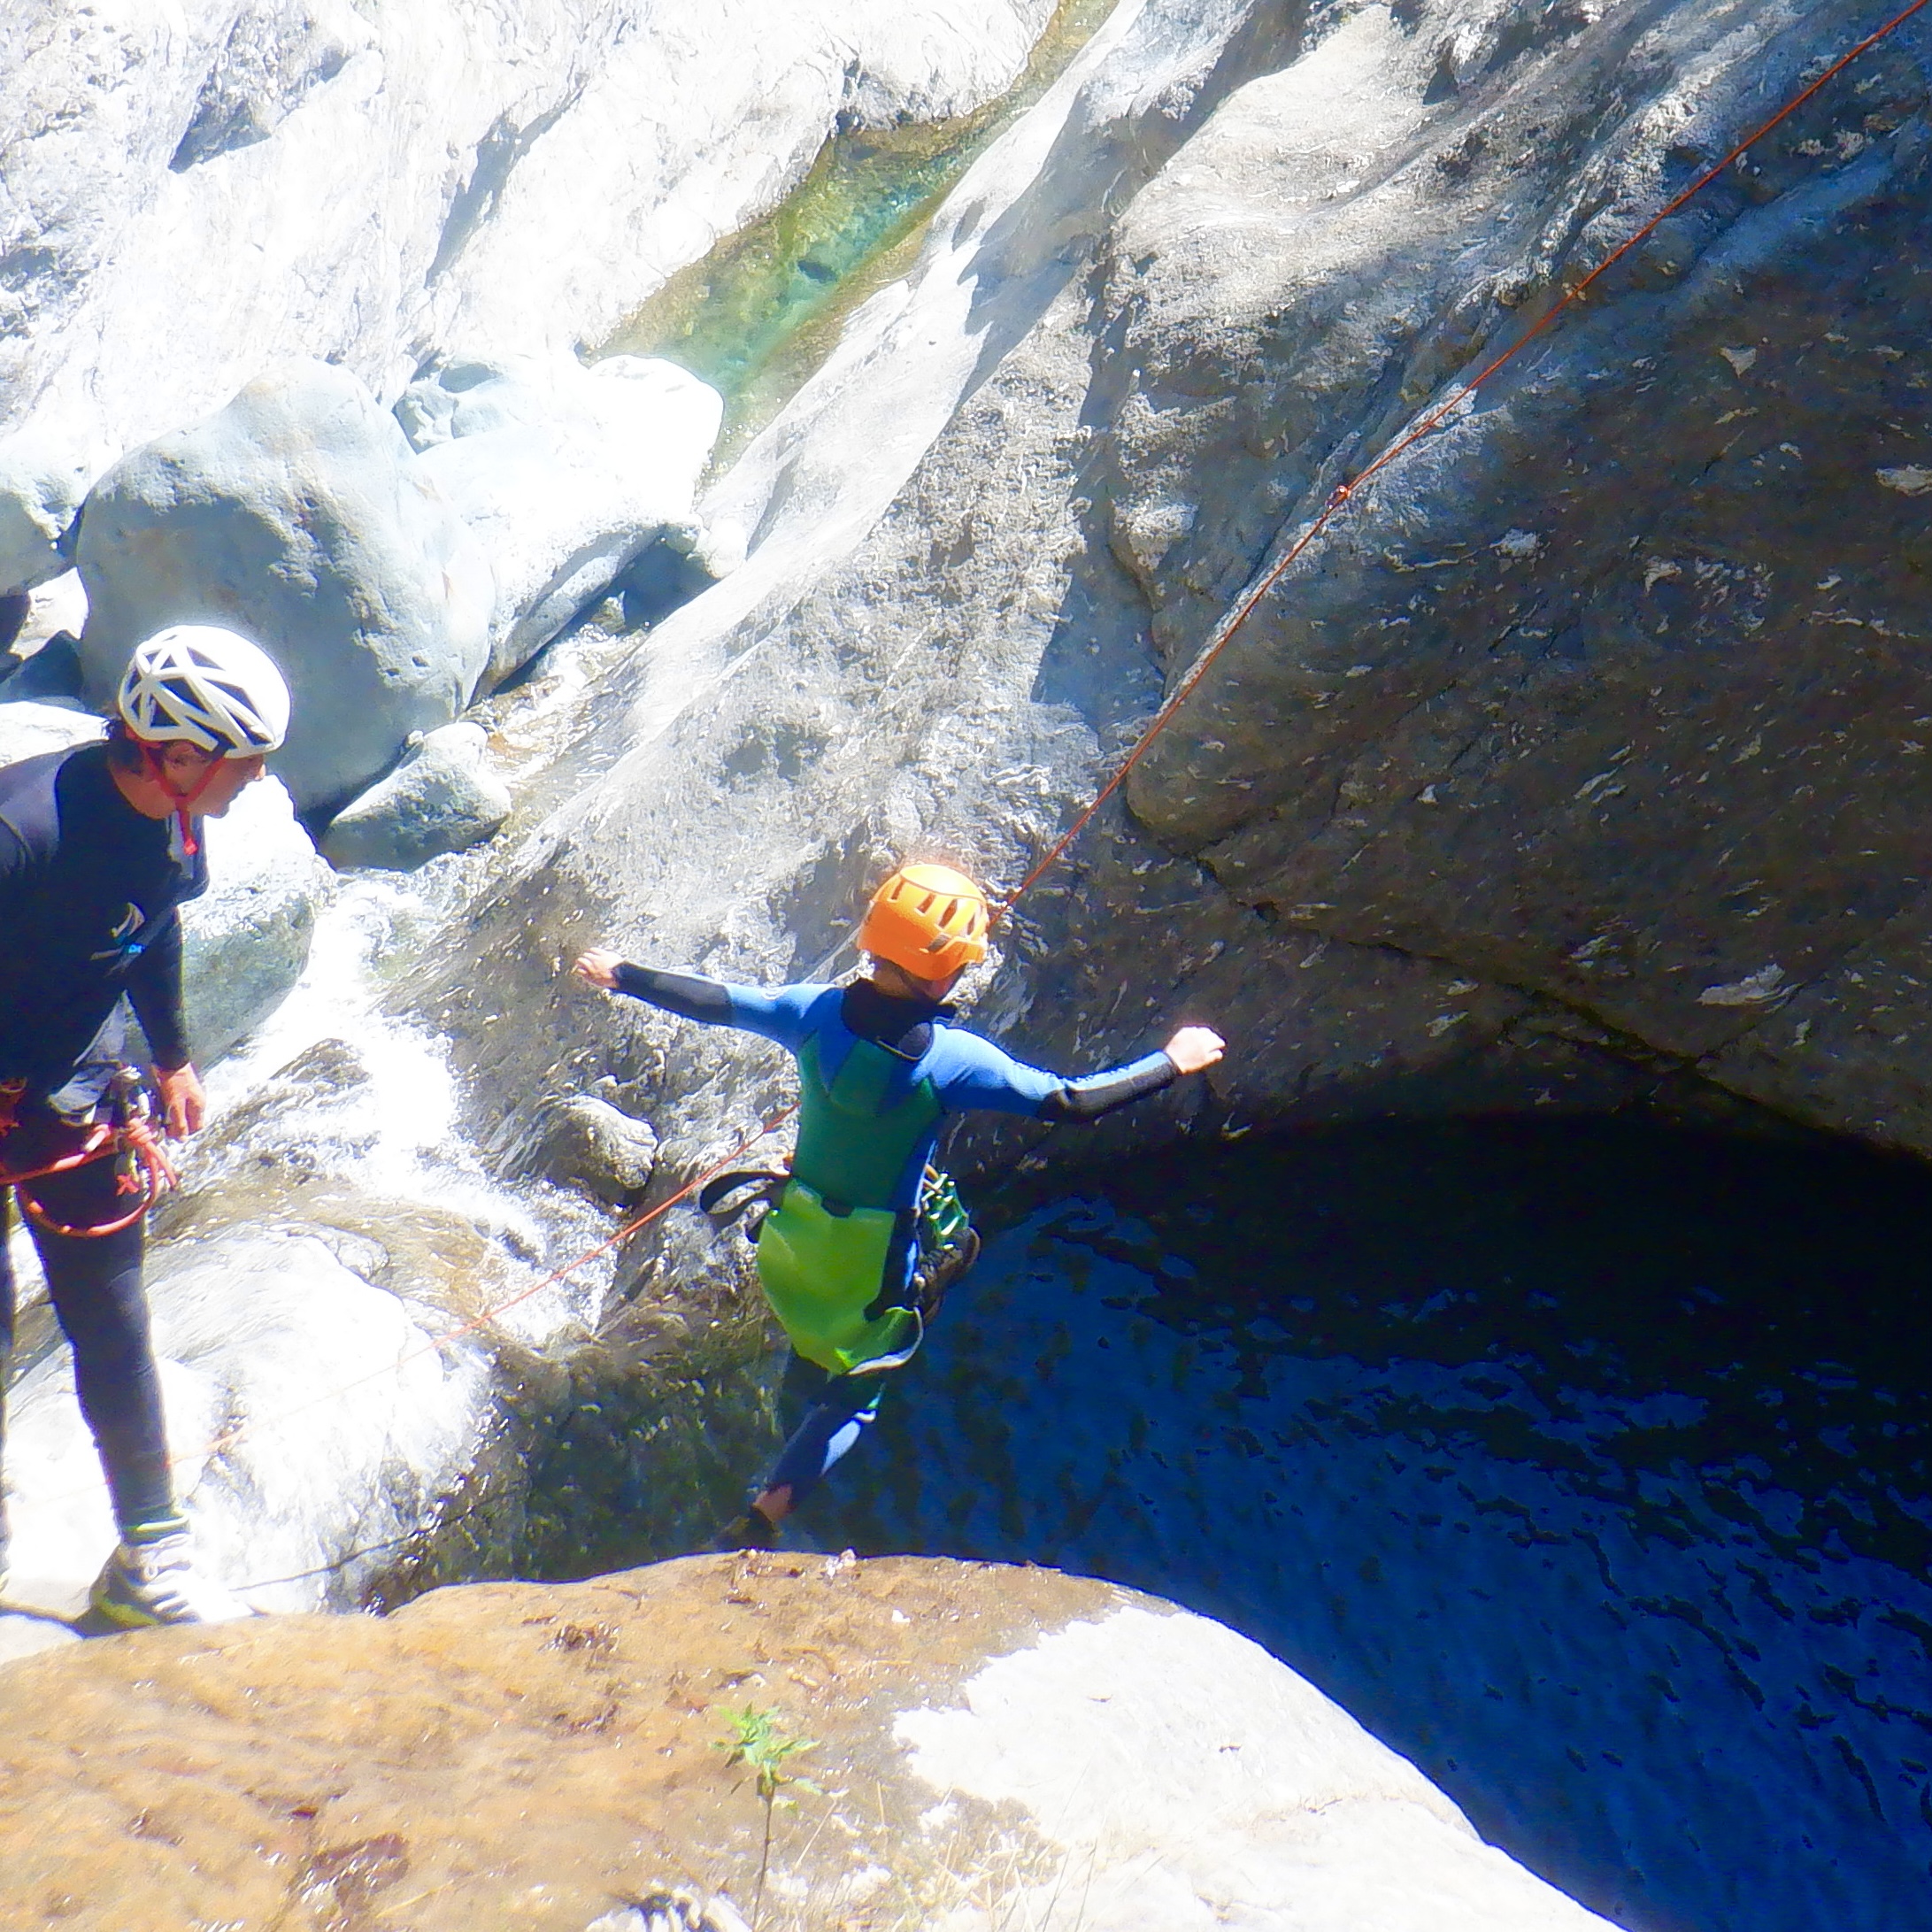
<point>371,180</point>
<point>27,729</point>
<point>297,516</point>
<point>588,1144</point>
<point>50,675</point>
<point>245,941</point>
<point>275,57</point>
<point>441,798</point>
<point>563,473</point>
<point>247,1325</point>
<point>1476,810</point>
<point>1608,690</point>
<point>41,485</point>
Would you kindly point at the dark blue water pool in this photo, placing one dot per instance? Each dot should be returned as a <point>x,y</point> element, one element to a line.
<point>1586,1464</point>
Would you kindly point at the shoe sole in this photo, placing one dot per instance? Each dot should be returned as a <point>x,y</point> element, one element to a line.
<point>125,1616</point>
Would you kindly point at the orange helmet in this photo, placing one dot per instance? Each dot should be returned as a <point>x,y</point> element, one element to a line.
<point>928,921</point>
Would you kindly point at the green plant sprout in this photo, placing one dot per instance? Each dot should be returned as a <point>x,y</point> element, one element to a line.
<point>757,1741</point>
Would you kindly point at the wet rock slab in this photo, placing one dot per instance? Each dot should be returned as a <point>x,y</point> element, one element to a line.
<point>987,1746</point>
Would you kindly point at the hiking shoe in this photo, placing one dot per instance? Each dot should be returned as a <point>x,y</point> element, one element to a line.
<point>754,1530</point>
<point>146,1583</point>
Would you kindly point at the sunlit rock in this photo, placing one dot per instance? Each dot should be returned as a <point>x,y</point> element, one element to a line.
<point>245,941</point>
<point>316,1422</point>
<point>587,1143</point>
<point>564,474</point>
<point>50,675</point>
<point>952,1744</point>
<point>443,797</point>
<point>27,729</point>
<point>297,516</point>
<point>42,484</point>
<point>196,191</point>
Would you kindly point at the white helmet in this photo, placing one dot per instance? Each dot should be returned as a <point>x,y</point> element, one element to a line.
<point>207,687</point>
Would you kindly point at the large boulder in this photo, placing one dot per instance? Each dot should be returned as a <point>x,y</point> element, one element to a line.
<point>245,941</point>
<point>315,1421</point>
<point>42,482</point>
<point>297,516</point>
<point>563,473</point>
<point>956,1746</point>
<point>443,797</point>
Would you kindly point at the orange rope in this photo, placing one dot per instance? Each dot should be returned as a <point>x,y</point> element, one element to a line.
<point>1424,425</point>
<point>1219,640</point>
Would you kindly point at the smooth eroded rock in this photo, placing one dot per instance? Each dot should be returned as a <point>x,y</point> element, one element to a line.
<point>245,941</point>
<point>41,485</point>
<point>297,516</point>
<point>587,1143</point>
<point>50,674</point>
<point>977,1747</point>
<point>314,1419</point>
<point>28,728</point>
<point>563,473</point>
<point>443,797</point>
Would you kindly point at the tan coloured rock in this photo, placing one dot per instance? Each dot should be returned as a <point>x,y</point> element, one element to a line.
<point>989,1746</point>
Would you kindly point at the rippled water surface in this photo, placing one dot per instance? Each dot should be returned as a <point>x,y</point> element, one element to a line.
<point>1585,1464</point>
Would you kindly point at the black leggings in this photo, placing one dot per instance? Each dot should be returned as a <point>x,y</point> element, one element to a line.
<point>95,1285</point>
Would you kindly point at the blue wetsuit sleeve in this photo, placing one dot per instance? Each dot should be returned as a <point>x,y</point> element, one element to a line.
<point>781,1015</point>
<point>974,1073</point>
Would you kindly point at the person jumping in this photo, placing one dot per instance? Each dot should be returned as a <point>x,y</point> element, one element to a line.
<point>98,850</point>
<point>864,1235</point>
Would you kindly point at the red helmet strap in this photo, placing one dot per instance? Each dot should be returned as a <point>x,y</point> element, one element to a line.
<point>154,757</point>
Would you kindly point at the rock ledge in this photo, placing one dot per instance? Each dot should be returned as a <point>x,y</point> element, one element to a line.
<point>989,1746</point>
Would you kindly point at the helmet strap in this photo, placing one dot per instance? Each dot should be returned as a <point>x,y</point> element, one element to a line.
<point>154,758</point>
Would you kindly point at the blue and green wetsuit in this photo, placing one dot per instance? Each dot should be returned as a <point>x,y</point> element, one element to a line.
<point>878,1077</point>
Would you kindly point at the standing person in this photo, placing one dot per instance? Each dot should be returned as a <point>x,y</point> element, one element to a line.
<point>864,1235</point>
<point>98,849</point>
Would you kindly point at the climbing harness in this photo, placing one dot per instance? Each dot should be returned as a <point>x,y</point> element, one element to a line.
<point>824,1252</point>
<point>143,1172</point>
<point>948,1245</point>
<point>1224,631</point>
<point>829,1240</point>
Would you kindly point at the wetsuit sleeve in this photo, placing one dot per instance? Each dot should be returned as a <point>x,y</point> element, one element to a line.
<point>154,989</point>
<point>782,1015</point>
<point>707,1001</point>
<point>973,1073</point>
<point>1082,1101</point>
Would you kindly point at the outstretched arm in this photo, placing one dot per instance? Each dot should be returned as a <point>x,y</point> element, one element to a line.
<point>984,1076</point>
<point>779,1015</point>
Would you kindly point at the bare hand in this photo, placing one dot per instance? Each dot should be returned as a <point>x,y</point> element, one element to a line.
<point>598,967</point>
<point>183,1104</point>
<point>1195,1048</point>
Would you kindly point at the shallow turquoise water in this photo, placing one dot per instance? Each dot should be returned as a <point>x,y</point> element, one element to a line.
<point>1586,1465</point>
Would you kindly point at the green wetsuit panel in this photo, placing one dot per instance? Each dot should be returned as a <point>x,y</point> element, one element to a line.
<point>821,1272</point>
<point>824,1249</point>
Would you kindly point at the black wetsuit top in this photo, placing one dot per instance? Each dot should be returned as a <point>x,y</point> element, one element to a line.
<point>88,895</point>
